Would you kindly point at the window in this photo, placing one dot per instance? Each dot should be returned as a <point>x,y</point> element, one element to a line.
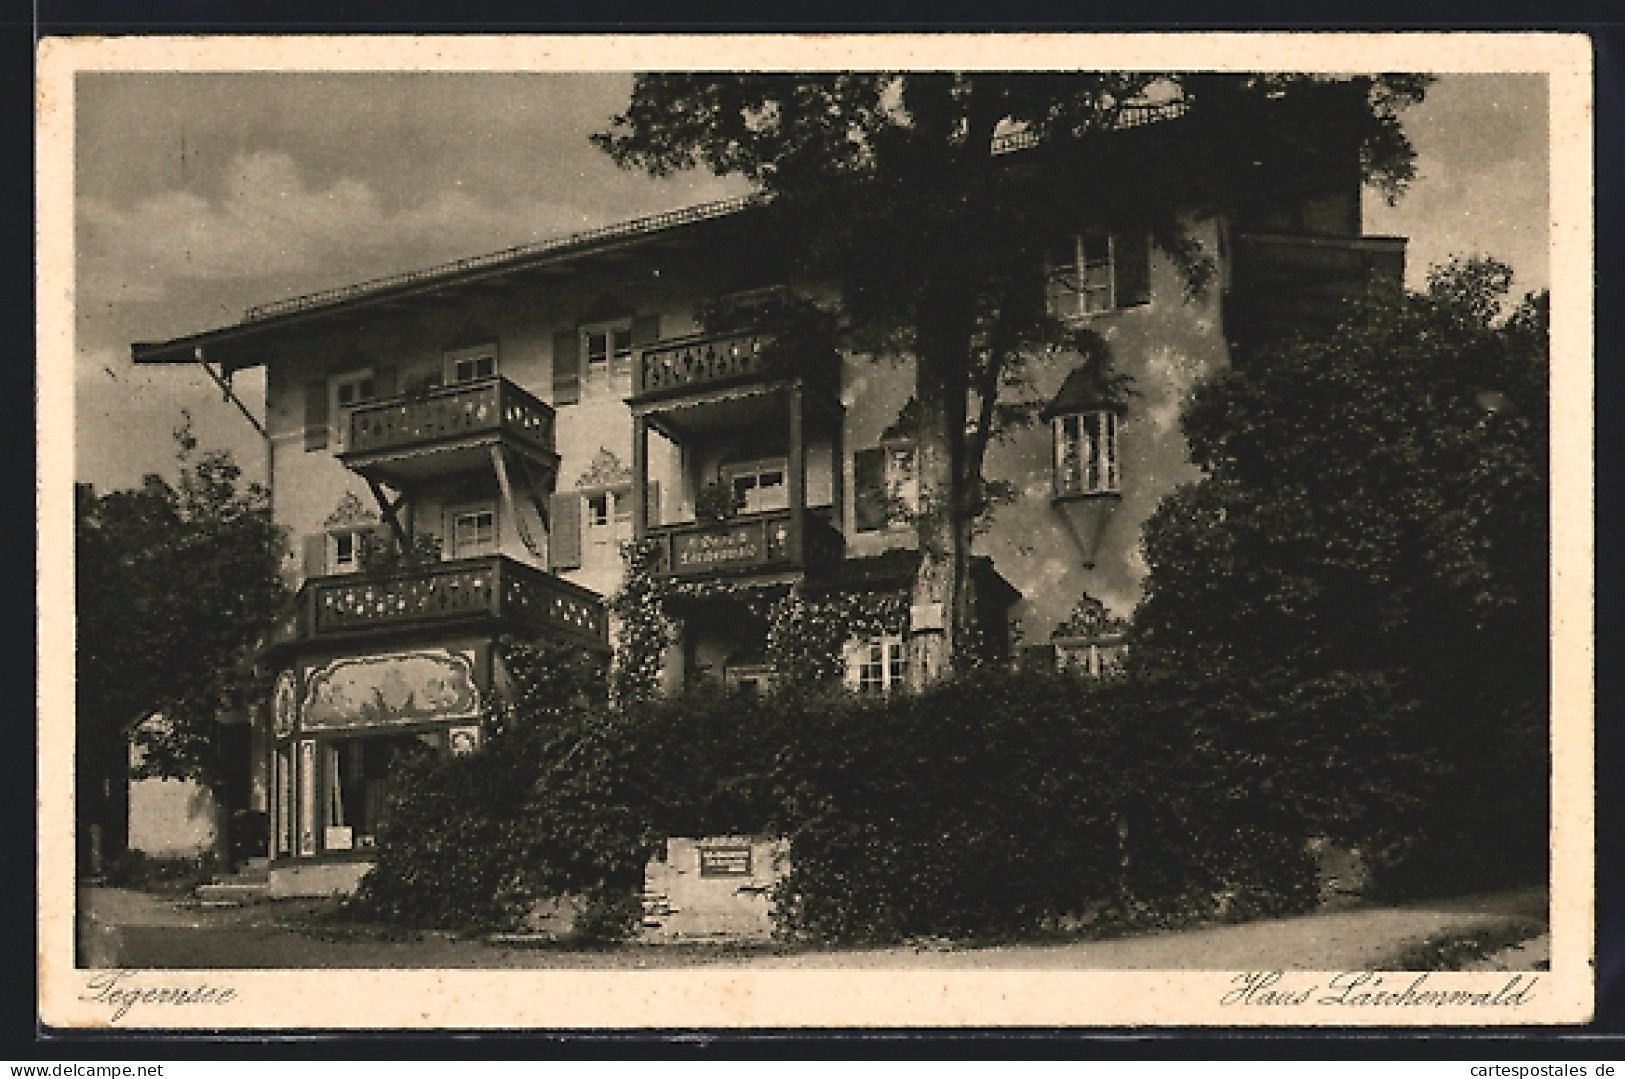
<point>1080,275</point>
<point>348,391</point>
<point>757,486</point>
<point>1094,658</point>
<point>755,679</point>
<point>598,509</point>
<point>470,364</point>
<point>473,531</point>
<point>877,665</point>
<point>1098,271</point>
<point>344,551</point>
<point>606,350</point>
<point>1086,454</point>
<point>887,490</point>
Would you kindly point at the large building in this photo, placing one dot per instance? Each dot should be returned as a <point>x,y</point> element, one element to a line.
<point>522,415</point>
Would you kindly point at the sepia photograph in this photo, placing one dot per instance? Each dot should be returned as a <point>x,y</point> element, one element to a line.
<point>837,532</point>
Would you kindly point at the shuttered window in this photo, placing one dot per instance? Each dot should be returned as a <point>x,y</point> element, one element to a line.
<point>316,415</point>
<point>886,491</point>
<point>564,531</point>
<point>566,367</point>
<point>1098,271</point>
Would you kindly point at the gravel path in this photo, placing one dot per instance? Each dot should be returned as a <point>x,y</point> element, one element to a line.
<point>131,929</point>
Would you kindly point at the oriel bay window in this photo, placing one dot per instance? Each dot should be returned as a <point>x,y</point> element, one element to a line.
<point>1086,454</point>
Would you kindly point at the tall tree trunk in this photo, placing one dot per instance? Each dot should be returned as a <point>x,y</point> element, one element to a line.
<point>942,356</point>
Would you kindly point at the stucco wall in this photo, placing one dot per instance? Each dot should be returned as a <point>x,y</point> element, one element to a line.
<point>1166,346</point>
<point>172,818</point>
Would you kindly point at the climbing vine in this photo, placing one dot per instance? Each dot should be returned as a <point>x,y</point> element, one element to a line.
<point>643,629</point>
<point>805,635</point>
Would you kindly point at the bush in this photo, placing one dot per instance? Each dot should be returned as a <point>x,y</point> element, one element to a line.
<point>1005,804</point>
<point>474,841</point>
<point>996,805</point>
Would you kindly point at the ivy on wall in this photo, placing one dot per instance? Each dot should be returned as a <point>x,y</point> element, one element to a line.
<point>805,635</point>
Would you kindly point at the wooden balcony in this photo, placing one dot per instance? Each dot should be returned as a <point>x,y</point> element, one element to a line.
<point>450,429</point>
<point>760,544</point>
<point>689,365</point>
<point>489,593</point>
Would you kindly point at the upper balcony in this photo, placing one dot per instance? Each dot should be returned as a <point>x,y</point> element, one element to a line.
<point>449,429</point>
<point>690,365</point>
<point>787,541</point>
<point>489,593</point>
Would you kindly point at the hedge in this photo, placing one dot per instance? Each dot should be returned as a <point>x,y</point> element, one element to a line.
<point>998,804</point>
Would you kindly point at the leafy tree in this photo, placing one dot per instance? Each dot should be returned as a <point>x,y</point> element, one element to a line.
<point>892,187</point>
<point>174,585</point>
<point>1374,514</point>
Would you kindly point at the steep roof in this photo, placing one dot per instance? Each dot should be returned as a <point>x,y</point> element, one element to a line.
<point>263,320</point>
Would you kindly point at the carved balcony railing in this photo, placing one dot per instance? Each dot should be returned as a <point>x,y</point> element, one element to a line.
<point>695,364</point>
<point>448,417</point>
<point>749,544</point>
<point>494,590</point>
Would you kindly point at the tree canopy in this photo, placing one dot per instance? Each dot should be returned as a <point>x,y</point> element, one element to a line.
<point>1374,510</point>
<point>900,190</point>
<point>175,583</point>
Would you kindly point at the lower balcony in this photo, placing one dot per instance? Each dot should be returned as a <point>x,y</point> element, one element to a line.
<point>494,591</point>
<point>784,541</point>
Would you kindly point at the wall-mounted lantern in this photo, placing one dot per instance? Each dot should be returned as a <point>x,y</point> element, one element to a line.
<point>1086,472</point>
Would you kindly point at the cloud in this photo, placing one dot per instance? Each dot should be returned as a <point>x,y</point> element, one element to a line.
<point>272,225</point>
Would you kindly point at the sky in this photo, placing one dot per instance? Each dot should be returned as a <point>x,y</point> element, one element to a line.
<point>197,195</point>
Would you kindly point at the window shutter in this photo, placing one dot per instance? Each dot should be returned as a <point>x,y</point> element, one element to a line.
<point>1131,268</point>
<point>385,381</point>
<point>869,489</point>
<point>315,554</point>
<point>315,415</point>
<point>651,503</point>
<point>564,538</point>
<point>566,367</point>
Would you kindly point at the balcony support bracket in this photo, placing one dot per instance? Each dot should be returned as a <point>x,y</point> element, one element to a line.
<point>499,465</point>
<point>540,489</point>
<point>390,511</point>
